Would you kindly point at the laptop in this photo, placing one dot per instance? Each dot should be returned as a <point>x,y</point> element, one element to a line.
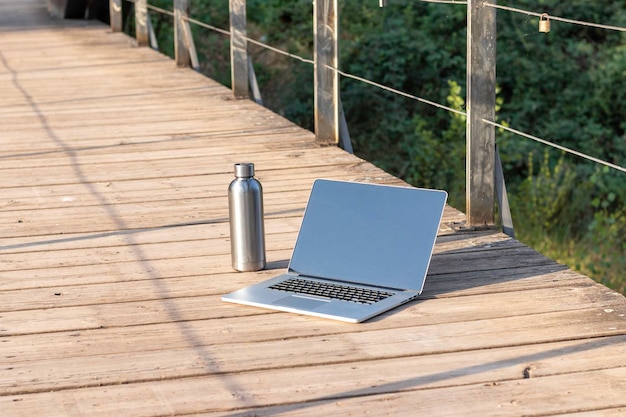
<point>362,249</point>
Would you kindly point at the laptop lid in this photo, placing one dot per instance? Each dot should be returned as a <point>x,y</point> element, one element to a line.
<point>368,234</point>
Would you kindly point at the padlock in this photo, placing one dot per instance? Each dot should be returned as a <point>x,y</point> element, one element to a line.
<point>544,23</point>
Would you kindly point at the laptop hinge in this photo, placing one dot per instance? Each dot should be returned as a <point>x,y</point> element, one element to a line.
<point>344,282</point>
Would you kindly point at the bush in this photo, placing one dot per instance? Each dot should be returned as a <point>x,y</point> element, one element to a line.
<point>566,86</point>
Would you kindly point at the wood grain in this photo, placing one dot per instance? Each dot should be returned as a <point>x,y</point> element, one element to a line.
<point>114,253</point>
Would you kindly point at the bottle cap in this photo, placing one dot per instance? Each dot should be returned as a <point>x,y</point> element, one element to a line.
<point>244,170</point>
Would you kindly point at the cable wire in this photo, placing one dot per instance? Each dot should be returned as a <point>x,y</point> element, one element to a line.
<point>420,99</point>
<point>576,22</point>
<point>206,26</point>
<point>345,74</point>
<point>554,145</point>
<point>444,1</point>
<point>255,42</point>
<point>401,93</point>
<point>271,48</point>
<point>159,10</point>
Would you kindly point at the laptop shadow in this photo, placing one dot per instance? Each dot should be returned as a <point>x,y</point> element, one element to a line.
<point>467,263</point>
<point>483,262</point>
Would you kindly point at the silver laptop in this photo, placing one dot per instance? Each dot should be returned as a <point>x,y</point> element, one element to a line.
<point>362,249</point>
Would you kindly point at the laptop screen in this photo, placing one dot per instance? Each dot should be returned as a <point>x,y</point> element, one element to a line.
<point>368,233</point>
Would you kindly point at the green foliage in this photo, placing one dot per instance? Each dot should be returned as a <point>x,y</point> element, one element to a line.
<point>566,86</point>
<point>579,221</point>
<point>437,159</point>
<point>607,260</point>
<point>543,198</point>
<point>604,245</point>
<point>419,49</point>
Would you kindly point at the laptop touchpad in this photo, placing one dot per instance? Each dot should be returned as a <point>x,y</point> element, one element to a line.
<point>300,302</point>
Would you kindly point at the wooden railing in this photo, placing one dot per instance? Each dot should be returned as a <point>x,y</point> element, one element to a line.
<point>482,177</point>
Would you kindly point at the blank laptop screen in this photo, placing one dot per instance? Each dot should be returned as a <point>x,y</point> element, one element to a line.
<point>367,233</point>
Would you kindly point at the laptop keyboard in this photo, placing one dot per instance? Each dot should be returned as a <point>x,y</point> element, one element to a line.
<point>335,291</point>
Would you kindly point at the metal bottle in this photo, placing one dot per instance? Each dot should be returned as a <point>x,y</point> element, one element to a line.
<point>245,207</point>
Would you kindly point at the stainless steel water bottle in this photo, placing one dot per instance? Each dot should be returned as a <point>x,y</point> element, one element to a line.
<point>245,207</point>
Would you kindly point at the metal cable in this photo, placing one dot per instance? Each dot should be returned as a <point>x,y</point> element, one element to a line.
<point>517,132</point>
<point>419,99</point>
<point>206,26</point>
<point>554,145</point>
<point>271,48</point>
<point>576,22</point>
<point>345,74</point>
<point>159,10</point>
<point>255,42</point>
<point>444,1</point>
<point>401,93</point>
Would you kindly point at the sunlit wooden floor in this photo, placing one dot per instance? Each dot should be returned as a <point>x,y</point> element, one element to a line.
<point>114,252</point>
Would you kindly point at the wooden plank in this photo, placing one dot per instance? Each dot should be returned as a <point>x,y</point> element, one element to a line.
<point>111,217</point>
<point>285,223</point>
<point>605,412</point>
<point>595,392</point>
<point>488,281</point>
<point>498,387</point>
<point>209,241</point>
<point>106,305</point>
<point>116,158</point>
<point>460,368</point>
<point>311,157</point>
<point>99,292</point>
<point>422,332</point>
<point>138,190</point>
<point>110,286</point>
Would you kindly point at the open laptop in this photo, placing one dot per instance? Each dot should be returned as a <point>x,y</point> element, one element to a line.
<point>362,249</point>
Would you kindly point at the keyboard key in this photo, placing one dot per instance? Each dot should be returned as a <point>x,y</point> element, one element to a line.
<point>334,291</point>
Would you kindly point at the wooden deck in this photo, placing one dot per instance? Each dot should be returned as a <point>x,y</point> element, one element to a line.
<point>114,253</point>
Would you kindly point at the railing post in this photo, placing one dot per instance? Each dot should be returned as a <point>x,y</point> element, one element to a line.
<point>141,23</point>
<point>326,94</point>
<point>181,50</point>
<point>238,48</point>
<point>115,15</point>
<point>481,102</point>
